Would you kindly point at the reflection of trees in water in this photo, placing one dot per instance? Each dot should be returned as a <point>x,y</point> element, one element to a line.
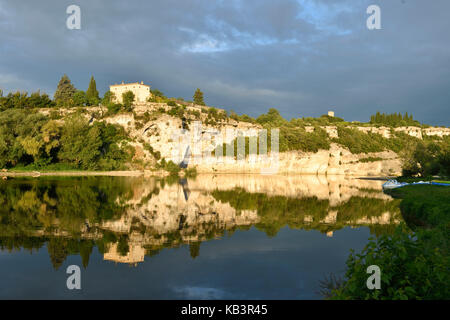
<point>58,211</point>
<point>71,215</point>
<point>276,212</point>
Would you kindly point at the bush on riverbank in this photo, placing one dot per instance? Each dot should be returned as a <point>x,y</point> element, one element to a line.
<point>414,265</point>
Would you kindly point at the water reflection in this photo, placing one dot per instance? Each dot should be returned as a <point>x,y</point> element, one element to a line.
<point>128,219</point>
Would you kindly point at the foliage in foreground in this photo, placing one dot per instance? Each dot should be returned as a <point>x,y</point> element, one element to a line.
<point>414,265</point>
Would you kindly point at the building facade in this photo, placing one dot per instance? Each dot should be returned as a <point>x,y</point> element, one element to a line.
<point>140,90</point>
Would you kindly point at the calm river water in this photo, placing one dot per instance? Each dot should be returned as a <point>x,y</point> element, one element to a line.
<point>212,237</point>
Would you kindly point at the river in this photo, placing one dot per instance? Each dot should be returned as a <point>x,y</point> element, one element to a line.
<point>209,237</point>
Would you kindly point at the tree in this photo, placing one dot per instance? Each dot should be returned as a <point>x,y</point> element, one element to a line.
<point>108,98</point>
<point>64,92</point>
<point>50,136</point>
<point>92,93</point>
<point>80,99</point>
<point>38,100</point>
<point>128,99</point>
<point>80,143</point>
<point>198,97</point>
<point>157,93</point>
<point>32,146</point>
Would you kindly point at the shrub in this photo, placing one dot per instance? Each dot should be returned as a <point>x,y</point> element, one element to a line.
<point>360,142</point>
<point>412,267</point>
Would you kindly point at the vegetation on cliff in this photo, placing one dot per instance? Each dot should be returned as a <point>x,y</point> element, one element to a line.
<point>33,140</point>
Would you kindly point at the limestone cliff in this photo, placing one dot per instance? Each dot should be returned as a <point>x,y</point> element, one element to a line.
<point>193,141</point>
<point>166,135</point>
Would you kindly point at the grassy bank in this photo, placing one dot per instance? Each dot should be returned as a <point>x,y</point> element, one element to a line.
<point>424,206</point>
<point>414,262</point>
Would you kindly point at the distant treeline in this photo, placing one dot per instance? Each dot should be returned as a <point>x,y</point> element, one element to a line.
<point>66,95</point>
<point>394,119</point>
<point>21,100</point>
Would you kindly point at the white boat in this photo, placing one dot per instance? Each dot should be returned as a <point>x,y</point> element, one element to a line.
<point>392,184</point>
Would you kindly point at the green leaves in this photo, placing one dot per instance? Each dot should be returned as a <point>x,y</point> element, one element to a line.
<point>80,99</point>
<point>92,96</point>
<point>91,147</point>
<point>128,99</point>
<point>64,92</point>
<point>409,269</point>
<point>198,97</point>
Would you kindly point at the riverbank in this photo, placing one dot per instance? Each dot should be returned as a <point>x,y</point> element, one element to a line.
<point>424,205</point>
<point>414,261</point>
<point>134,173</point>
<point>146,173</point>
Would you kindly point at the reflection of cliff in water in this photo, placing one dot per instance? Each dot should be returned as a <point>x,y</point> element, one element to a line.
<point>128,218</point>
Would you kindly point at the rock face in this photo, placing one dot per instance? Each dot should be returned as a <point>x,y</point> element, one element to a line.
<point>385,132</point>
<point>439,132</point>
<point>194,144</point>
<point>336,161</point>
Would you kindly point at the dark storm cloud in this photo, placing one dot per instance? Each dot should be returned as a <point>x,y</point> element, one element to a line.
<point>300,56</point>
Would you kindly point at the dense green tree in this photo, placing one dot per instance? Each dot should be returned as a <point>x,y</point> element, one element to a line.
<point>426,158</point>
<point>51,133</point>
<point>18,100</point>
<point>80,99</point>
<point>19,136</point>
<point>80,143</point>
<point>38,100</point>
<point>128,99</point>
<point>198,97</point>
<point>64,92</point>
<point>157,93</point>
<point>32,146</point>
<point>21,100</point>
<point>92,93</point>
<point>273,118</point>
<point>108,98</point>
<point>394,119</point>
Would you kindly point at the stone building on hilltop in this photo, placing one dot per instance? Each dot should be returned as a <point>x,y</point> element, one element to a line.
<point>140,90</point>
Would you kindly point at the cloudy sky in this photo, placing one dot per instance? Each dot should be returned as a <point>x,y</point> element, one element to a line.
<point>303,57</point>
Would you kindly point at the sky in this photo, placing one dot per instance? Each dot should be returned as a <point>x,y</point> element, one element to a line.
<point>303,57</point>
